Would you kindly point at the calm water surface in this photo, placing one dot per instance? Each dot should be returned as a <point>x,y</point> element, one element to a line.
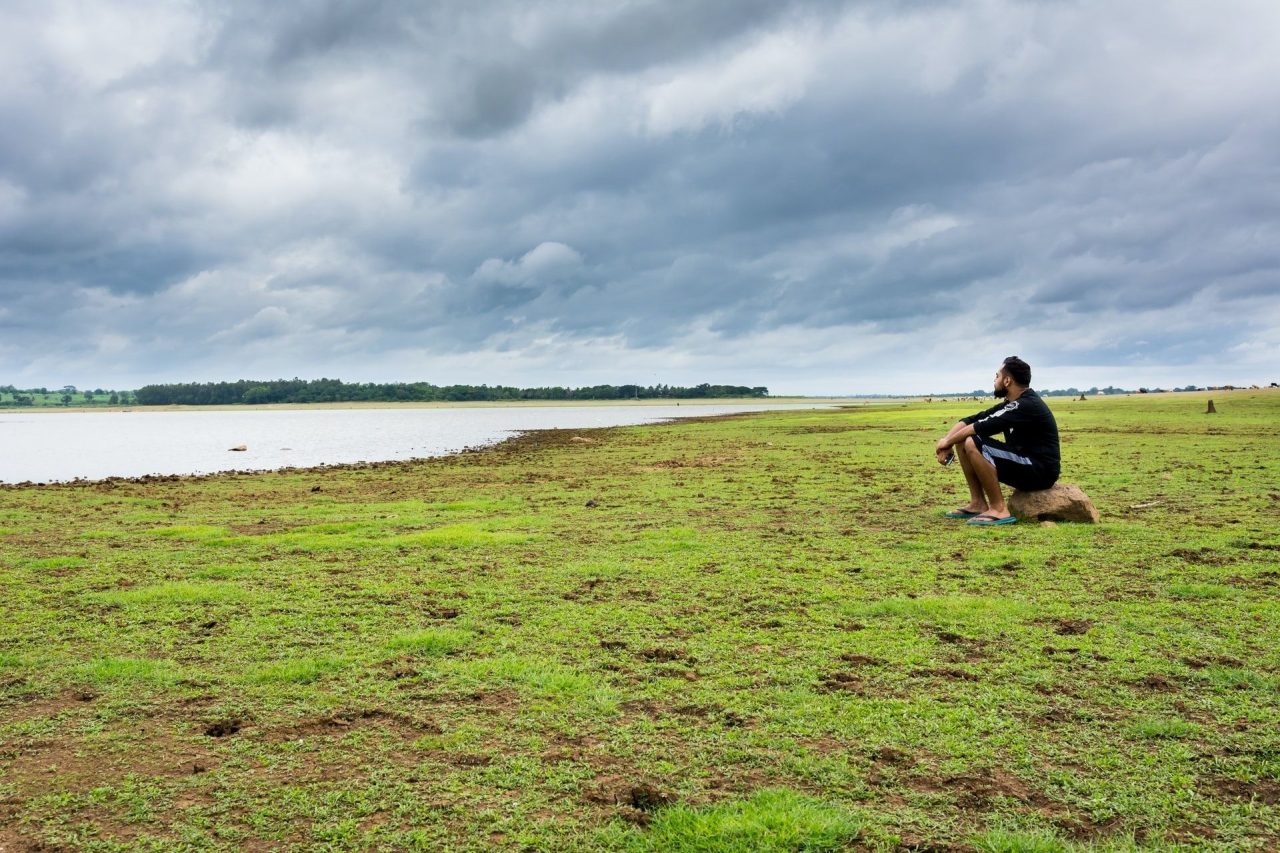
<point>53,446</point>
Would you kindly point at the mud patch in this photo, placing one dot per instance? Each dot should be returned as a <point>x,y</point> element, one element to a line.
<point>1071,627</point>
<point>1262,791</point>
<point>1200,556</point>
<point>1212,660</point>
<point>895,757</point>
<point>840,682</point>
<point>945,672</point>
<point>1155,682</point>
<point>666,655</point>
<point>636,800</point>
<point>861,660</point>
<point>918,844</point>
<point>346,721</point>
<point>1056,714</point>
<point>977,790</point>
<point>223,728</point>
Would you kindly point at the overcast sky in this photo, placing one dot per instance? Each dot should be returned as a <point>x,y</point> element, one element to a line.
<point>821,197</point>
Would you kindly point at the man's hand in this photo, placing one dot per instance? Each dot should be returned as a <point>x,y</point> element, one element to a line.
<point>944,455</point>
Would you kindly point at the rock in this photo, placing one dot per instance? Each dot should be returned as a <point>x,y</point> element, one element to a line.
<point>1061,502</point>
<point>239,448</point>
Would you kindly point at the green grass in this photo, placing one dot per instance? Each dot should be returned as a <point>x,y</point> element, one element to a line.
<point>1162,728</point>
<point>110,671</point>
<point>771,820</point>
<point>1201,590</point>
<point>753,633</point>
<point>431,642</point>
<point>172,594</point>
<point>300,671</point>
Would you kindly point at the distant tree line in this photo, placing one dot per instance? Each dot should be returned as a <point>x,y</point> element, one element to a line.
<point>253,392</point>
<point>13,397</point>
<point>1075,392</point>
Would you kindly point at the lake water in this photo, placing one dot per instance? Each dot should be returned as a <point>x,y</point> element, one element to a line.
<point>59,446</point>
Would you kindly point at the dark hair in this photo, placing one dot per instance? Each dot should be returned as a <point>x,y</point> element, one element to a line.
<point>1019,371</point>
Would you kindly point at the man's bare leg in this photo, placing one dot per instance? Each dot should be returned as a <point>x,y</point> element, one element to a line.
<point>977,503</point>
<point>985,473</point>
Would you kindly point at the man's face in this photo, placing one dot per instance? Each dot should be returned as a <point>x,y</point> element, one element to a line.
<point>1002,384</point>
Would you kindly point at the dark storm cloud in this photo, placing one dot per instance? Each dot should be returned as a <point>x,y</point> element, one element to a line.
<point>385,190</point>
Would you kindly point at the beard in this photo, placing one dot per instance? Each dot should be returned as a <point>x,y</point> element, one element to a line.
<point>1001,393</point>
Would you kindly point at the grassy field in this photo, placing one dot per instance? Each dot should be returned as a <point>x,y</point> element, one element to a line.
<point>752,633</point>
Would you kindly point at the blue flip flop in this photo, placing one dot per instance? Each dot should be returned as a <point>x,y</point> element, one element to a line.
<point>985,520</point>
<point>960,513</point>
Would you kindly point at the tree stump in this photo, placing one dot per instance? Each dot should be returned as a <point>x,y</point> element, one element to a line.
<point>1211,410</point>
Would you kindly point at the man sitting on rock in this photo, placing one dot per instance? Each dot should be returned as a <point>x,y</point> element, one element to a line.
<point>1027,459</point>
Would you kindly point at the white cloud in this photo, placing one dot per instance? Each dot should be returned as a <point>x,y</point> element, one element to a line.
<point>546,261</point>
<point>762,79</point>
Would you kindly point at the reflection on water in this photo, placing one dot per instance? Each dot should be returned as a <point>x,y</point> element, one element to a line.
<point>46,447</point>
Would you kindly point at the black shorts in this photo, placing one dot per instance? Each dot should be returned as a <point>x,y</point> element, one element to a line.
<point>1013,469</point>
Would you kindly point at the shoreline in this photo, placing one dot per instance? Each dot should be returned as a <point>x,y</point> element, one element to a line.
<point>460,404</point>
<point>518,437</point>
<point>661,401</point>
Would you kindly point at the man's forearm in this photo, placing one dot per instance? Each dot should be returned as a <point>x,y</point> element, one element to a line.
<point>958,433</point>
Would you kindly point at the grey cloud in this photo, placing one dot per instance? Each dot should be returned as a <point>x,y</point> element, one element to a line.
<point>451,178</point>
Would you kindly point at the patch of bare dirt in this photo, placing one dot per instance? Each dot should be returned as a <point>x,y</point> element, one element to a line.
<point>1084,829</point>
<point>636,799</point>
<point>695,462</point>
<point>47,706</point>
<point>1263,791</point>
<point>224,727</point>
<point>1211,660</point>
<point>945,672</point>
<point>1200,556</point>
<point>841,682</point>
<point>661,654</point>
<point>40,766</point>
<point>919,844</point>
<point>974,791</point>
<point>1071,627</point>
<point>1055,714</point>
<point>861,660</point>
<point>895,757</point>
<point>261,527</point>
<point>1155,682</point>
<point>348,721</point>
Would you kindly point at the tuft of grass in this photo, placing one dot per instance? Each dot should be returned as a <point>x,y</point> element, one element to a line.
<point>943,608</point>
<point>224,571</point>
<point>297,671</point>
<point>1201,591</point>
<point>121,670</point>
<point>430,641</point>
<point>539,678</point>
<point>1235,678</point>
<point>1154,728</point>
<point>672,540</point>
<point>174,593</point>
<point>772,820</point>
<point>56,563</point>
<point>459,536</point>
<point>1007,841</point>
<point>189,532</point>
